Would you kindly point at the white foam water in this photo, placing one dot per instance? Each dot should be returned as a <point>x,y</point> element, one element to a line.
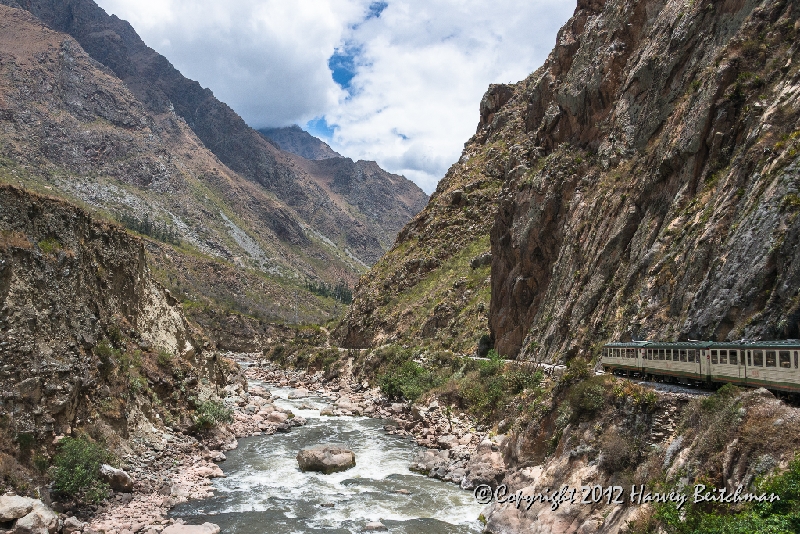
<point>265,492</point>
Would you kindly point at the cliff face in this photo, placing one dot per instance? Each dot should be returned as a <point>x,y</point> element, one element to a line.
<point>656,193</point>
<point>642,183</point>
<point>91,343</point>
<point>164,90</point>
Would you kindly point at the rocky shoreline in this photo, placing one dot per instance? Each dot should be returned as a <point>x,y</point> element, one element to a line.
<point>167,467</point>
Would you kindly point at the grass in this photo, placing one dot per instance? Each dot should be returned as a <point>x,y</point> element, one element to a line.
<point>211,413</point>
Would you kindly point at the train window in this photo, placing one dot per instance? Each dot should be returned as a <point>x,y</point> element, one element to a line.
<point>714,357</point>
<point>771,358</point>
<point>631,353</point>
<point>662,354</point>
<point>668,354</point>
<point>649,354</point>
<point>723,356</point>
<point>758,358</point>
<point>785,359</point>
<point>683,355</point>
<point>732,357</point>
<point>795,359</point>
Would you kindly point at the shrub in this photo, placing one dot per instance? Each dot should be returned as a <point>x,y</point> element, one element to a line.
<point>409,381</point>
<point>164,358</point>
<point>211,413</point>
<point>76,469</point>
<point>587,397</point>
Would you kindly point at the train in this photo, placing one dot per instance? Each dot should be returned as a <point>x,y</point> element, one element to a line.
<point>774,365</point>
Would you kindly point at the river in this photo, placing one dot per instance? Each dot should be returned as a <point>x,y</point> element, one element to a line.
<point>265,492</point>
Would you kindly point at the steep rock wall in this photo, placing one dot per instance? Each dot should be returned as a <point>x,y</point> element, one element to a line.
<point>68,285</point>
<point>654,194</point>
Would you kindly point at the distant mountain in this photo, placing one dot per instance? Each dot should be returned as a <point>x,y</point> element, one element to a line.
<point>164,90</point>
<point>297,141</point>
<point>236,224</point>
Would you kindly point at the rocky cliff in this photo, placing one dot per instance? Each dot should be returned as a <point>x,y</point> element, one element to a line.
<point>649,188</point>
<point>91,344</point>
<point>656,193</point>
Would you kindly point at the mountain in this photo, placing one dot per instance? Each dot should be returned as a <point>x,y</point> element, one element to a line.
<point>297,141</point>
<point>642,183</point>
<point>236,223</point>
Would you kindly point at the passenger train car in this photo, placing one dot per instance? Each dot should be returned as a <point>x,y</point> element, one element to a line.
<point>774,365</point>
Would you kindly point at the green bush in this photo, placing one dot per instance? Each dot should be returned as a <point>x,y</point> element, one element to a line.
<point>164,358</point>
<point>76,469</point>
<point>211,413</point>
<point>587,397</point>
<point>408,381</point>
<point>779,517</point>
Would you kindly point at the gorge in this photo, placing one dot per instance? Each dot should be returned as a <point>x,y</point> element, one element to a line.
<point>641,184</point>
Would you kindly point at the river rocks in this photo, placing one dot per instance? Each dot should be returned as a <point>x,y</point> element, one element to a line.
<point>346,404</point>
<point>118,479</point>
<point>277,417</point>
<point>299,393</point>
<point>374,526</point>
<point>13,507</point>
<point>72,525</point>
<point>326,459</point>
<point>40,520</point>
<point>205,528</point>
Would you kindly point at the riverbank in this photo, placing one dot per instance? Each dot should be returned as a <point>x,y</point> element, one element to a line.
<point>171,467</point>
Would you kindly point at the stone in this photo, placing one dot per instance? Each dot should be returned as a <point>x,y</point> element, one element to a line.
<point>72,525</point>
<point>374,526</point>
<point>40,520</point>
<point>277,417</point>
<point>118,479</point>
<point>326,458</point>
<point>299,393</point>
<point>205,528</point>
<point>327,411</point>
<point>447,442</point>
<point>13,507</point>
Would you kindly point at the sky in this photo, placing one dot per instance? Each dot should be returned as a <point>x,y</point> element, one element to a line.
<point>395,81</point>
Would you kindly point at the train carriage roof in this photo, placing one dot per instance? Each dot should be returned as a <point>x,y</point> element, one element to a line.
<point>787,343</point>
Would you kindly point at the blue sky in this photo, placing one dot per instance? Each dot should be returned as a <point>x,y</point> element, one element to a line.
<point>395,81</point>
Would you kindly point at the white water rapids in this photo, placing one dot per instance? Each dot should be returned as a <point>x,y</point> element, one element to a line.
<point>265,492</point>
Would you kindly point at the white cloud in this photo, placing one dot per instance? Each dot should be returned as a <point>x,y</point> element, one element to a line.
<point>420,70</point>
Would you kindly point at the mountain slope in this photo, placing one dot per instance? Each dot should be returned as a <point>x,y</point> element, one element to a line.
<point>162,89</point>
<point>69,126</point>
<point>642,183</point>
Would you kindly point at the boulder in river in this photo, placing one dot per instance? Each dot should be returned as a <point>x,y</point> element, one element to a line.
<point>326,458</point>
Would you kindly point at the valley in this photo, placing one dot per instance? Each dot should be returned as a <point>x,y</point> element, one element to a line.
<point>193,301</point>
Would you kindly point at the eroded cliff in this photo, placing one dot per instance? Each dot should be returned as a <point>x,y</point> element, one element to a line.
<point>91,344</point>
